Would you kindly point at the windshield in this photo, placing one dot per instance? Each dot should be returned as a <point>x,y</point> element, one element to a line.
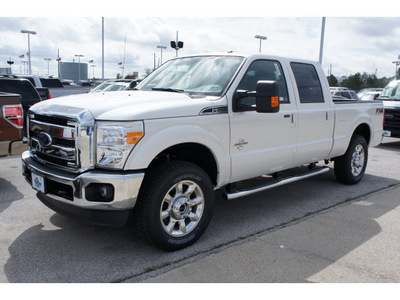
<point>204,75</point>
<point>391,92</point>
<point>100,87</point>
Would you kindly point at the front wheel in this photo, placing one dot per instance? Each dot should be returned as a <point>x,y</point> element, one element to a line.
<point>350,168</point>
<point>175,205</point>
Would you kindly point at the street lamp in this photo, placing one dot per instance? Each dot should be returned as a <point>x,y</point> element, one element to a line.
<point>48,59</point>
<point>10,62</point>
<point>161,47</point>
<point>29,48</point>
<point>79,66</point>
<point>261,37</point>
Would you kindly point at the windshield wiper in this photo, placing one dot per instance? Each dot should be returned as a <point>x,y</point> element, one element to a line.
<point>168,90</point>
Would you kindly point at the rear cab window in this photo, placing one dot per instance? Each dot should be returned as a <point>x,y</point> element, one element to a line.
<point>308,84</point>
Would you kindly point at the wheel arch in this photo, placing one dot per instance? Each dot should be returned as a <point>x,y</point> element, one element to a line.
<point>363,130</point>
<point>195,153</point>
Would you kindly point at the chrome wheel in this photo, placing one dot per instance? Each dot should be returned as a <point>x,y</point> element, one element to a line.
<point>357,161</point>
<point>182,208</point>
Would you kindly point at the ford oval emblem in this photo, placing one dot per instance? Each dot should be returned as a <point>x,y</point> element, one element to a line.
<point>44,139</point>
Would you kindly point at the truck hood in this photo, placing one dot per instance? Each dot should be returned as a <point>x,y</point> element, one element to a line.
<point>128,105</point>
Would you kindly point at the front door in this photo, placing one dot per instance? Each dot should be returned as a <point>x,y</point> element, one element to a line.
<point>263,143</point>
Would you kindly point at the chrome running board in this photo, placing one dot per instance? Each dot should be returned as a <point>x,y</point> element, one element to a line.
<point>279,182</point>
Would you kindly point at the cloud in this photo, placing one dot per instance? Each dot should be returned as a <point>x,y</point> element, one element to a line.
<point>351,44</point>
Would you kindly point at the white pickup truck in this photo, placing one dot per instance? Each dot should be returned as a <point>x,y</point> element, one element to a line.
<point>195,125</point>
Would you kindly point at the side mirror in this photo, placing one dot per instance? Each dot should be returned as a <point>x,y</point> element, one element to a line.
<point>267,96</point>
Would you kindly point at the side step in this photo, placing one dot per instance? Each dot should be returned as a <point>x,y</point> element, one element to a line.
<point>276,183</point>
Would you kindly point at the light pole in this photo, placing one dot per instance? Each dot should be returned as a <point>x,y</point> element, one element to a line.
<point>29,49</point>
<point>24,62</point>
<point>397,63</point>
<point>79,66</point>
<point>93,66</point>
<point>161,47</point>
<point>321,45</point>
<point>48,59</point>
<point>10,62</point>
<point>261,37</point>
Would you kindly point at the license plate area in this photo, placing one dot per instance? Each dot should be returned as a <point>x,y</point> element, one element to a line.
<point>38,183</point>
<point>387,133</point>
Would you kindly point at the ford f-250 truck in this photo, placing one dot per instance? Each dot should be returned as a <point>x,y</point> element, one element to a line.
<point>195,125</point>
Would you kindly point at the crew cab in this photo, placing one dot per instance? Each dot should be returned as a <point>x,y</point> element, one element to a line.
<point>11,121</point>
<point>195,125</point>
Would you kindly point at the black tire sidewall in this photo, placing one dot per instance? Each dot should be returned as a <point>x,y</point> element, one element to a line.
<point>185,171</point>
<point>343,164</point>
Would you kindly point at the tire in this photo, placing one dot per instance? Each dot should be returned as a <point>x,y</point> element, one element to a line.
<point>350,168</point>
<point>175,205</point>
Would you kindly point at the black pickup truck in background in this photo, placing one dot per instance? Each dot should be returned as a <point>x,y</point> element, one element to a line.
<point>29,94</point>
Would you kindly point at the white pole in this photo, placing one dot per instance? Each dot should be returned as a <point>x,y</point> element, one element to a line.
<point>321,48</point>
<point>102,50</point>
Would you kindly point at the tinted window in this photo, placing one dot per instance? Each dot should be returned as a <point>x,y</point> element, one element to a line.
<point>263,70</point>
<point>346,95</point>
<point>308,84</point>
<point>22,87</point>
<point>51,82</point>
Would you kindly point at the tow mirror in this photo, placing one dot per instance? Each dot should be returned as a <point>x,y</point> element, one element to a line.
<point>267,96</point>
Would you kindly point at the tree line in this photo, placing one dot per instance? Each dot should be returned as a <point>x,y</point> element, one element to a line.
<point>360,81</point>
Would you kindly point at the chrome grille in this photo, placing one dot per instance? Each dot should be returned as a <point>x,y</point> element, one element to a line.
<point>64,137</point>
<point>392,119</point>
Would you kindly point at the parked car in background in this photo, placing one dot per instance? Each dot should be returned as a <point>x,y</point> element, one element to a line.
<point>11,124</point>
<point>368,96</point>
<point>391,102</point>
<point>115,85</point>
<point>367,90</point>
<point>345,94</point>
<point>337,88</point>
<point>68,82</point>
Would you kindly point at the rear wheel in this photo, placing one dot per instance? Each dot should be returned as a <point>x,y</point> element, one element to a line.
<point>350,168</point>
<point>175,205</point>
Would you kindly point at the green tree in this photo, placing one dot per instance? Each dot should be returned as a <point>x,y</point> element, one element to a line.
<point>332,80</point>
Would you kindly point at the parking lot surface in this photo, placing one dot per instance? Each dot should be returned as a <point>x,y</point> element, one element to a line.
<point>38,245</point>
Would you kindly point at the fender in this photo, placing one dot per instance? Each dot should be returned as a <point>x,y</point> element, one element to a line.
<point>160,134</point>
<point>346,124</point>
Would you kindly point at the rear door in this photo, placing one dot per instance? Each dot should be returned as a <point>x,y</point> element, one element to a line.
<point>315,114</point>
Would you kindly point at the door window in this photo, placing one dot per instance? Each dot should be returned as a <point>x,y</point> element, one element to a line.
<point>263,70</point>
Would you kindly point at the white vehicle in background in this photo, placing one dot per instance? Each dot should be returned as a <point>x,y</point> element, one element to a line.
<point>195,125</point>
<point>344,94</point>
<point>115,85</point>
<point>370,96</point>
<point>391,102</point>
<point>369,90</point>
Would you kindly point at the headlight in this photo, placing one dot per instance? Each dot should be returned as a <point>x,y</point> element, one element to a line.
<point>115,140</point>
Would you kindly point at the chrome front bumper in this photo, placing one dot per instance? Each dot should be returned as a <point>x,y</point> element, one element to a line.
<point>126,186</point>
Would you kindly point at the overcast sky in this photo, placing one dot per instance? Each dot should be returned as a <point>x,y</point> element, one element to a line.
<point>363,43</point>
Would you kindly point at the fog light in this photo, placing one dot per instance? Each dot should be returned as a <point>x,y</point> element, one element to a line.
<point>99,192</point>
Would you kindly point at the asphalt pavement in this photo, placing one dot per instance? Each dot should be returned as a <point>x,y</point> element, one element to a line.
<point>356,242</point>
